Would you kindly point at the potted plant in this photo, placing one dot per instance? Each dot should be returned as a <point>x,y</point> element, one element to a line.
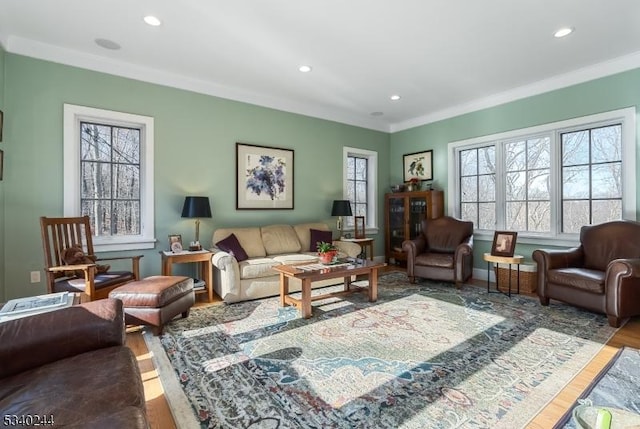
<point>326,252</point>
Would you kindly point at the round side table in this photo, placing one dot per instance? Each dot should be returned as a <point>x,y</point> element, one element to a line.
<point>511,260</point>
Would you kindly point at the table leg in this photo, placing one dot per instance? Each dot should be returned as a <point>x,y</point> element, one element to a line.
<point>207,274</point>
<point>166,267</point>
<point>488,275</point>
<point>509,293</point>
<point>284,288</point>
<point>373,285</point>
<point>306,298</point>
<point>347,283</point>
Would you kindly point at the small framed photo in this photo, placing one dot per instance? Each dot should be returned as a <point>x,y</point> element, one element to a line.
<point>175,243</point>
<point>504,243</point>
<point>418,165</point>
<point>359,226</point>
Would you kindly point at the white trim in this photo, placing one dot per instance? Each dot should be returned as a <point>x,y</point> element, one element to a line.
<point>628,118</point>
<point>372,184</point>
<point>73,115</point>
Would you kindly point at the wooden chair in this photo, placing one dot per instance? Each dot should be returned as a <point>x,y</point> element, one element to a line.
<point>62,233</point>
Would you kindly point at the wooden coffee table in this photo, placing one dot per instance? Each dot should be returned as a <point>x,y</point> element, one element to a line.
<point>323,272</point>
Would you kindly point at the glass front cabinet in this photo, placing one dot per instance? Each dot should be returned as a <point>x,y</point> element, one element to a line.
<point>404,212</point>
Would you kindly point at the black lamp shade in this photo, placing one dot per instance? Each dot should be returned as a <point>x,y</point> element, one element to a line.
<point>196,207</point>
<point>341,208</point>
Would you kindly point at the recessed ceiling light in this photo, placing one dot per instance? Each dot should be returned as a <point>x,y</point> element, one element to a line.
<point>563,32</point>
<point>305,69</point>
<point>107,44</point>
<point>152,20</point>
<point>395,97</point>
<point>377,113</point>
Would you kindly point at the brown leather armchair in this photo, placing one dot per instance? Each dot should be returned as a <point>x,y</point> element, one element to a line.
<point>601,275</point>
<point>442,251</point>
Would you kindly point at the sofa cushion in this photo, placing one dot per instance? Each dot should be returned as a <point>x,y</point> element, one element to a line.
<point>257,267</point>
<point>304,235</point>
<point>249,238</point>
<point>296,258</point>
<point>318,236</point>
<point>278,239</point>
<point>232,245</point>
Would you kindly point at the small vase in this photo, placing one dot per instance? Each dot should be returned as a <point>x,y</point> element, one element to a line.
<point>411,187</point>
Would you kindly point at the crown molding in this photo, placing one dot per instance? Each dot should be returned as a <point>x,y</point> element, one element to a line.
<point>585,74</point>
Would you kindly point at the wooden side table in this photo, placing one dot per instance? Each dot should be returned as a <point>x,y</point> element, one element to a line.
<point>515,259</point>
<point>366,243</point>
<point>201,256</point>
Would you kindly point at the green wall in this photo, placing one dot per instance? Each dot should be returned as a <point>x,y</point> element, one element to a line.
<point>3,148</point>
<point>600,95</point>
<point>195,137</point>
<point>195,151</point>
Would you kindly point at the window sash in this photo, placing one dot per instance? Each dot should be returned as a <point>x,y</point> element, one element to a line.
<point>554,235</point>
<point>73,116</point>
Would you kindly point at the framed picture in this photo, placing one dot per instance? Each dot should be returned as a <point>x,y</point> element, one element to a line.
<point>418,165</point>
<point>1,163</point>
<point>175,243</point>
<point>264,177</point>
<point>359,227</point>
<point>1,121</point>
<point>504,243</point>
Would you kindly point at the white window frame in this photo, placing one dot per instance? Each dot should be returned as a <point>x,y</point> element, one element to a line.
<point>73,116</point>
<point>371,218</point>
<point>626,116</point>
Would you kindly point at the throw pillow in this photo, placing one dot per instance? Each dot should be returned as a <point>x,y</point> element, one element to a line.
<point>232,245</point>
<point>318,236</point>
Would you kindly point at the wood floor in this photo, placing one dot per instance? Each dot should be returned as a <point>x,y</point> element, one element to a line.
<point>160,416</point>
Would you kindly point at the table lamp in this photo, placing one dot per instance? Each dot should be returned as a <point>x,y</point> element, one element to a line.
<point>196,207</point>
<point>341,208</point>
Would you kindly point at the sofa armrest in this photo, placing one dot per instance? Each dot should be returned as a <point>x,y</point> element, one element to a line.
<point>622,287</point>
<point>413,248</point>
<point>228,271</point>
<point>33,341</point>
<point>350,249</point>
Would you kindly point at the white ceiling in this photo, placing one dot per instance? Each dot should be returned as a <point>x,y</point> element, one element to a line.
<point>444,57</point>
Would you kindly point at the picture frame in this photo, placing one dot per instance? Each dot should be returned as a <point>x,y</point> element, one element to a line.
<point>264,177</point>
<point>417,165</point>
<point>504,243</point>
<point>359,227</point>
<point>175,243</point>
<point>1,163</point>
<point>1,123</point>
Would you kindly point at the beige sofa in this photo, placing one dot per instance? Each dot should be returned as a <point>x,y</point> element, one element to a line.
<point>266,247</point>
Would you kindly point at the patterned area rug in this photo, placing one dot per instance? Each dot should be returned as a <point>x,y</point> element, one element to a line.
<point>422,356</point>
<point>616,386</point>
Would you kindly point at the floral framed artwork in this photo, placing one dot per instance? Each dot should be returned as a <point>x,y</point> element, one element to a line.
<point>418,165</point>
<point>504,243</point>
<point>264,177</point>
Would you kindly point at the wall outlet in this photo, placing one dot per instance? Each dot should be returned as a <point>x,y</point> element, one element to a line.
<point>35,276</point>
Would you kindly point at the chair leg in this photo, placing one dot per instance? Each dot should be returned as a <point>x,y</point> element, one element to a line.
<point>412,279</point>
<point>158,330</point>
<point>185,314</point>
<point>614,321</point>
<point>458,285</point>
<point>544,300</point>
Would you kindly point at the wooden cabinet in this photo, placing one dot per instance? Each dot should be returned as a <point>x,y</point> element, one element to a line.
<point>404,212</point>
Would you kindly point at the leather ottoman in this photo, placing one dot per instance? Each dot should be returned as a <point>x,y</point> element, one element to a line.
<point>155,300</point>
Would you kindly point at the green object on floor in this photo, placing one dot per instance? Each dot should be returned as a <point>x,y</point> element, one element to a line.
<point>588,416</point>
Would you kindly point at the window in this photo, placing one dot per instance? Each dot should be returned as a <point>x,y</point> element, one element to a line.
<point>547,181</point>
<point>360,174</point>
<point>108,175</point>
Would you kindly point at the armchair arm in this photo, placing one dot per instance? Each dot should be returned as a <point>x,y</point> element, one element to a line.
<point>622,287</point>
<point>550,259</point>
<point>228,273</point>
<point>463,260</point>
<point>33,341</point>
<point>413,248</point>
<point>135,263</point>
